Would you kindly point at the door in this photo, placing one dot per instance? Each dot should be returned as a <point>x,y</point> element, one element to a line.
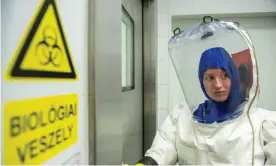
<point>132,91</point>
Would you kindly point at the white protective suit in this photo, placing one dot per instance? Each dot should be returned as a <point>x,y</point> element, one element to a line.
<point>247,139</point>
<point>182,140</point>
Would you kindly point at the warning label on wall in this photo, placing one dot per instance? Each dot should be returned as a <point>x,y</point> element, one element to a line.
<point>43,52</point>
<point>35,130</point>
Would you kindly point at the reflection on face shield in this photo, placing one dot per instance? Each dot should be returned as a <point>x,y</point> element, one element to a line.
<point>220,82</point>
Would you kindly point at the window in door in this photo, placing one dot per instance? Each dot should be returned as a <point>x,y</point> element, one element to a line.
<point>127,51</point>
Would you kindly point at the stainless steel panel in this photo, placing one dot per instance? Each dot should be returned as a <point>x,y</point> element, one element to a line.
<point>91,81</point>
<point>108,107</point>
<point>116,129</point>
<point>150,66</point>
<point>132,103</point>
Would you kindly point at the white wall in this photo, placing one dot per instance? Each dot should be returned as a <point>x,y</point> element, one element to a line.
<point>202,7</point>
<point>169,90</point>
<point>163,35</point>
<point>16,16</point>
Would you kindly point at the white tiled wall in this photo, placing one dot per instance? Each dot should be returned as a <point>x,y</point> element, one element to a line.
<point>198,7</point>
<point>161,116</point>
<point>163,97</point>
<point>163,71</point>
<point>163,22</point>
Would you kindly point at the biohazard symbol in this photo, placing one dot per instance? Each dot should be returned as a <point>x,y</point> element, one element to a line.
<point>43,52</point>
<point>48,51</point>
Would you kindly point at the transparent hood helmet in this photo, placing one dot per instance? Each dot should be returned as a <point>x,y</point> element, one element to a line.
<point>216,65</point>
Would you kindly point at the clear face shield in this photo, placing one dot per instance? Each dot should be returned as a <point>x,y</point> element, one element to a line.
<point>216,66</point>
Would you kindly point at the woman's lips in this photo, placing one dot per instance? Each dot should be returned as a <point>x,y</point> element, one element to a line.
<point>220,92</point>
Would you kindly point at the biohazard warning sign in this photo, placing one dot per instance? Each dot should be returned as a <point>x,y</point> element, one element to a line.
<point>43,52</point>
<point>37,129</point>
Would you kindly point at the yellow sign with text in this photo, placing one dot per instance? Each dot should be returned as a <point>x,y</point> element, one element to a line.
<point>35,130</point>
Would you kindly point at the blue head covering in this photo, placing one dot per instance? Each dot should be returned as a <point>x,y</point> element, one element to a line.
<point>211,111</point>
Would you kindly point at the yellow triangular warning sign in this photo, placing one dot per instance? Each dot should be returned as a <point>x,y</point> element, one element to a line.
<point>43,53</point>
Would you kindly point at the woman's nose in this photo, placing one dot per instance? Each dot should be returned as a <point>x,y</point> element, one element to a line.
<point>217,83</point>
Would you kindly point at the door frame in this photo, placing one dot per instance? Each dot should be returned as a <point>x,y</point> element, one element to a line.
<point>149,69</point>
<point>91,83</point>
<point>149,39</point>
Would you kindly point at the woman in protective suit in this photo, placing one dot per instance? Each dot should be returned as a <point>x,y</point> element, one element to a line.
<point>219,131</point>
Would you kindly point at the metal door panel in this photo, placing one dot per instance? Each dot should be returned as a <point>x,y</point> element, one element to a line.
<point>107,66</point>
<point>132,100</point>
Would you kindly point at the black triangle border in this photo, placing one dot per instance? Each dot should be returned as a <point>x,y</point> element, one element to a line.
<point>17,72</point>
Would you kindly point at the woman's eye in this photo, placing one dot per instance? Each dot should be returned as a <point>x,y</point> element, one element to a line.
<point>224,76</point>
<point>209,78</point>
